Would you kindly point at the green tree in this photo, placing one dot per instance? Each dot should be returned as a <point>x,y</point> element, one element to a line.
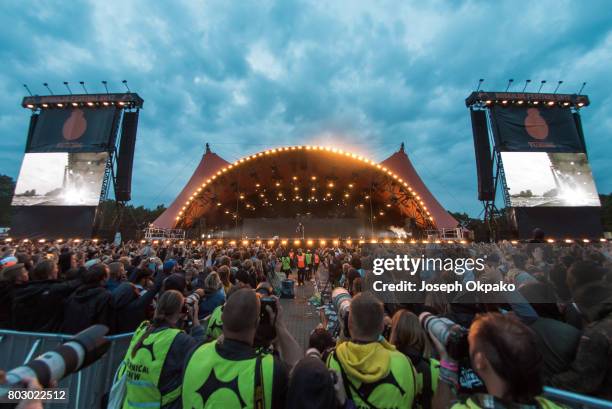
<point>7,187</point>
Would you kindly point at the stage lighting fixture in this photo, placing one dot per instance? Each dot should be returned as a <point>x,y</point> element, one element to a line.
<point>296,188</point>
<point>569,240</point>
<point>580,104</point>
<point>488,102</point>
<point>121,103</point>
<point>504,102</point>
<point>335,242</point>
<point>219,204</point>
<point>42,240</point>
<point>30,106</point>
<point>60,105</point>
<point>565,104</point>
<point>105,103</point>
<point>309,243</point>
<point>219,242</point>
<point>241,196</point>
<point>346,195</point>
<point>551,103</point>
<point>74,104</point>
<point>586,240</point>
<point>330,184</point>
<point>45,105</point>
<point>322,242</point>
<point>270,242</point>
<point>313,178</point>
<point>294,178</point>
<point>520,102</point>
<point>388,204</point>
<point>208,242</point>
<point>284,242</point>
<point>90,104</point>
<point>143,241</point>
<point>603,240</point>
<point>296,242</point>
<point>350,185</point>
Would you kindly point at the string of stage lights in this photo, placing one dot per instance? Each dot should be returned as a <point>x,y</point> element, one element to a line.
<point>280,196</point>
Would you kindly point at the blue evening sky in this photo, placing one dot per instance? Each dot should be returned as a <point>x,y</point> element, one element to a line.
<point>247,75</point>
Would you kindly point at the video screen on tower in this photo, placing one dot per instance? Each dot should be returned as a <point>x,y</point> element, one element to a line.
<point>73,130</point>
<point>547,179</point>
<point>60,179</point>
<point>536,129</point>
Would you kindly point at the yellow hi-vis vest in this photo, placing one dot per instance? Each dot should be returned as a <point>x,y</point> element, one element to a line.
<point>396,390</point>
<point>144,369</point>
<point>214,329</point>
<point>210,381</point>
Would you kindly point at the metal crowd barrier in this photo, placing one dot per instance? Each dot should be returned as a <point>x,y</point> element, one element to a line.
<point>87,387</point>
<point>575,400</point>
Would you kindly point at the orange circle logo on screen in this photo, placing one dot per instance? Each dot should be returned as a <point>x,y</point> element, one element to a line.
<point>75,125</point>
<point>535,125</point>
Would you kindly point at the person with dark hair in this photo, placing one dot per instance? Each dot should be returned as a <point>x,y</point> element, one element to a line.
<point>321,340</point>
<point>374,373</point>
<point>12,274</point>
<point>90,303</point>
<point>313,386</point>
<point>556,340</point>
<point>153,363</point>
<point>582,272</point>
<point>252,379</point>
<point>591,371</point>
<point>38,304</point>
<point>131,306</point>
<point>504,353</point>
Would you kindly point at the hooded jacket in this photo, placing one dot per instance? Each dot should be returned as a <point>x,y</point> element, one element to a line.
<point>39,305</point>
<point>130,307</point>
<point>591,371</point>
<point>90,304</point>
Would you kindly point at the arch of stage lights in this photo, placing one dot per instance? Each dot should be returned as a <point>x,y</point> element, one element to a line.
<point>340,152</point>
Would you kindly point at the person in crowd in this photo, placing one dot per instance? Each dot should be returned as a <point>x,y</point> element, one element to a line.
<point>214,295</point>
<point>91,302</point>
<point>286,264</point>
<point>556,340</point>
<point>300,262</point>
<point>591,370</point>
<point>504,353</point>
<point>131,306</point>
<point>410,339</point>
<point>313,386</point>
<point>12,274</point>
<point>375,374</point>
<point>117,275</point>
<point>142,279</point>
<point>250,379</point>
<point>153,363</point>
<point>38,304</point>
<point>321,340</point>
<point>224,275</point>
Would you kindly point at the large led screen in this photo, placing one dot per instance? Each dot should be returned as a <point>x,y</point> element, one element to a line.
<point>538,179</point>
<point>60,179</point>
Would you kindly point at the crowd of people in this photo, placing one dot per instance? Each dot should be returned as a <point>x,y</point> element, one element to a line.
<point>209,329</point>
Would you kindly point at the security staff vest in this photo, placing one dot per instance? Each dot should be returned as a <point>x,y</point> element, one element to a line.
<point>210,381</point>
<point>143,370</point>
<point>215,324</point>
<point>396,390</point>
<point>301,263</point>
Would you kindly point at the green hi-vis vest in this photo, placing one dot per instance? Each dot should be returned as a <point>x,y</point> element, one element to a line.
<point>215,324</point>
<point>286,263</point>
<point>424,382</point>
<point>396,390</point>
<point>144,369</point>
<point>308,259</point>
<point>471,403</point>
<point>211,381</point>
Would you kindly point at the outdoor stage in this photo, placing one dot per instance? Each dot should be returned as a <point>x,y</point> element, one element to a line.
<point>331,192</point>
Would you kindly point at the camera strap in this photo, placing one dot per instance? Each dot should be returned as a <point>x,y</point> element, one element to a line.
<point>352,387</point>
<point>259,392</point>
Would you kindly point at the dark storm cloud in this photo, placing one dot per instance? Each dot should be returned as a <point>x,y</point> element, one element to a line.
<point>249,75</point>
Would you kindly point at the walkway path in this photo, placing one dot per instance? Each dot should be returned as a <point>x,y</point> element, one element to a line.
<point>299,316</point>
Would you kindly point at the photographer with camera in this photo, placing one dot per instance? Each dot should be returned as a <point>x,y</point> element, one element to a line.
<point>374,373</point>
<point>153,364</point>
<point>230,372</point>
<point>504,353</point>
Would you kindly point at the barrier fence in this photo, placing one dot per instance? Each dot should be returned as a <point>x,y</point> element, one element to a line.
<point>87,387</point>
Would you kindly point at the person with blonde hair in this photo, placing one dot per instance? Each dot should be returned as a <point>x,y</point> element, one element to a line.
<point>153,363</point>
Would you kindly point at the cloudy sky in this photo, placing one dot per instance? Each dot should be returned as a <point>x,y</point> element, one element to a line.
<point>247,75</point>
